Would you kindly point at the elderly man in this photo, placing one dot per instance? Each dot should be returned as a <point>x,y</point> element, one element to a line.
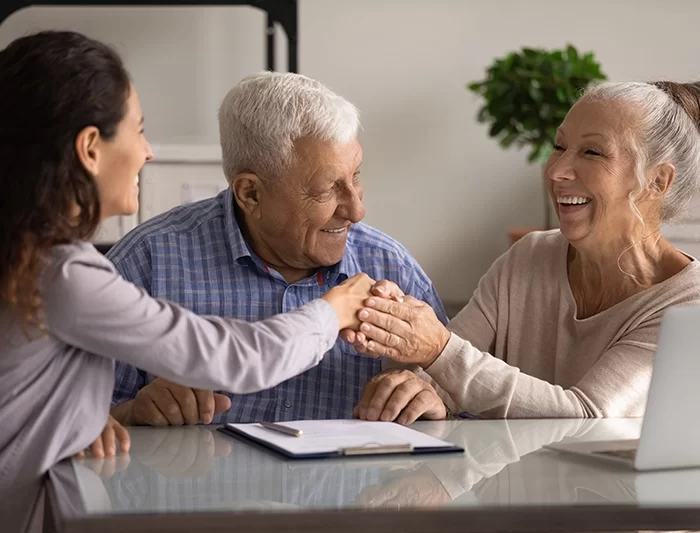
<point>285,231</point>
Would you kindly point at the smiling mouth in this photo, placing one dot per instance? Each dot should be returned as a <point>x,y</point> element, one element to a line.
<point>573,200</point>
<point>336,231</point>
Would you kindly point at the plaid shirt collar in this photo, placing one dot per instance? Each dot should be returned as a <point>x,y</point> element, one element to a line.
<point>241,250</point>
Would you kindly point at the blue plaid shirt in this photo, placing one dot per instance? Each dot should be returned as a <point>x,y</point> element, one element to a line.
<point>195,255</point>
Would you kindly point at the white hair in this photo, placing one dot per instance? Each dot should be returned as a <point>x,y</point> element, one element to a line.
<point>667,133</point>
<point>262,116</point>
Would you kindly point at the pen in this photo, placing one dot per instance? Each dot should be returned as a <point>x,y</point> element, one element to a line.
<point>282,429</point>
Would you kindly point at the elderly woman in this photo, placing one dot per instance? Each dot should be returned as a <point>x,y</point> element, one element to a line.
<point>565,323</point>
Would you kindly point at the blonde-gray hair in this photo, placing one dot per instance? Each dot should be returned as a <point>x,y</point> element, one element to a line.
<point>670,117</point>
<point>262,116</point>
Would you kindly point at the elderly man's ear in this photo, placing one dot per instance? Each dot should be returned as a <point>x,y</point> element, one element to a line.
<point>246,191</point>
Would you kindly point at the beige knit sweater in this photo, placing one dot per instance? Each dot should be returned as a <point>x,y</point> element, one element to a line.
<point>518,350</point>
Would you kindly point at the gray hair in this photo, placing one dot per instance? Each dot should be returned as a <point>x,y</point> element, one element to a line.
<point>262,116</point>
<point>668,134</point>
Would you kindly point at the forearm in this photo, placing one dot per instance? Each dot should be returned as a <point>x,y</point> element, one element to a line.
<point>88,306</point>
<point>484,385</point>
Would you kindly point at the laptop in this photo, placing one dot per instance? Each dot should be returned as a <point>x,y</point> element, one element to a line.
<point>670,436</point>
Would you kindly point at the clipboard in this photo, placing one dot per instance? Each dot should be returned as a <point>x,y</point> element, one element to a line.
<point>328,439</point>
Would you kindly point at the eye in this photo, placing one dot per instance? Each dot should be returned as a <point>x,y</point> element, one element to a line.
<point>356,176</point>
<point>593,152</point>
<point>558,148</point>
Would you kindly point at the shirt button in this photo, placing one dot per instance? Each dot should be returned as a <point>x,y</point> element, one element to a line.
<point>287,404</point>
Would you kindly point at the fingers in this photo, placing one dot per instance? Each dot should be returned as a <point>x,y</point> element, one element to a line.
<point>382,336</point>
<point>187,401</point>
<point>347,335</point>
<point>167,405</point>
<point>382,393</point>
<point>367,395</point>
<point>145,409</point>
<point>404,310</point>
<point>122,435</point>
<point>361,280</point>
<point>404,397</point>
<point>97,448</point>
<point>399,395</point>
<point>388,289</point>
<point>375,350</point>
<point>422,403</point>
<point>221,403</point>
<point>385,320</point>
<point>205,405</point>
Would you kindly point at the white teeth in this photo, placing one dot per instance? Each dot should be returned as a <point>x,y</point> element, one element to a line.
<point>341,230</point>
<point>136,180</point>
<point>572,200</point>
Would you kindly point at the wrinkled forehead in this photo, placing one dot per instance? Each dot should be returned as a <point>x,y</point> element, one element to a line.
<point>325,160</point>
<point>611,120</point>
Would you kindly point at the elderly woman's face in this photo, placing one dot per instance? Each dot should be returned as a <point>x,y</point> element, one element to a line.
<point>591,173</point>
<point>307,213</point>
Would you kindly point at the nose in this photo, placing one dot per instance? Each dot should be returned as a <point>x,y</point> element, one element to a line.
<point>351,207</point>
<point>149,152</point>
<point>560,168</point>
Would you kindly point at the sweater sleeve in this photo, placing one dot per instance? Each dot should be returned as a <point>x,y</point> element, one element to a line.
<point>89,306</point>
<point>615,386</point>
<point>476,321</point>
<point>481,383</point>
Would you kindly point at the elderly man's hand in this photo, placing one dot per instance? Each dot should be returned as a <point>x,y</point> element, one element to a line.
<point>407,332</point>
<point>398,394</point>
<point>163,403</point>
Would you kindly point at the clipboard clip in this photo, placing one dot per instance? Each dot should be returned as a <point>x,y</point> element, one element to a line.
<point>371,448</point>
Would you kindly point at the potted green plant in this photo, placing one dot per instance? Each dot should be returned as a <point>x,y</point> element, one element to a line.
<point>527,95</point>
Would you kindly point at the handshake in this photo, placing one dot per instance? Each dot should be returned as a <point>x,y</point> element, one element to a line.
<point>348,298</point>
<point>376,318</point>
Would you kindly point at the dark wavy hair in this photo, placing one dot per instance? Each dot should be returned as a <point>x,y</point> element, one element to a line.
<point>53,84</point>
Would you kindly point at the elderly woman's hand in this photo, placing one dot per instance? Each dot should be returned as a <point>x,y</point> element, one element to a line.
<point>382,289</point>
<point>407,332</point>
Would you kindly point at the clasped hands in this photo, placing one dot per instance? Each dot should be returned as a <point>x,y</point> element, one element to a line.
<point>406,330</point>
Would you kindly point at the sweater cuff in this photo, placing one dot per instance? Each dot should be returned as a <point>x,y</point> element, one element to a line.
<point>441,365</point>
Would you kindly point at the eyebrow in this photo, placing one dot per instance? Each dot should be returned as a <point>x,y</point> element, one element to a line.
<point>585,135</point>
<point>593,135</point>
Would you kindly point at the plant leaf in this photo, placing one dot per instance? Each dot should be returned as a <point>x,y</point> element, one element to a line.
<point>527,93</point>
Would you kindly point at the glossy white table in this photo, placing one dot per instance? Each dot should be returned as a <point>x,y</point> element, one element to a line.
<point>180,479</point>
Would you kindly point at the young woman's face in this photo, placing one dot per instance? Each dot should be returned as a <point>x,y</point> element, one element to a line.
<point>121,159</point>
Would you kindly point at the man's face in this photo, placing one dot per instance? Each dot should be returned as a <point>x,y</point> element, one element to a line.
<point>304,217</point>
